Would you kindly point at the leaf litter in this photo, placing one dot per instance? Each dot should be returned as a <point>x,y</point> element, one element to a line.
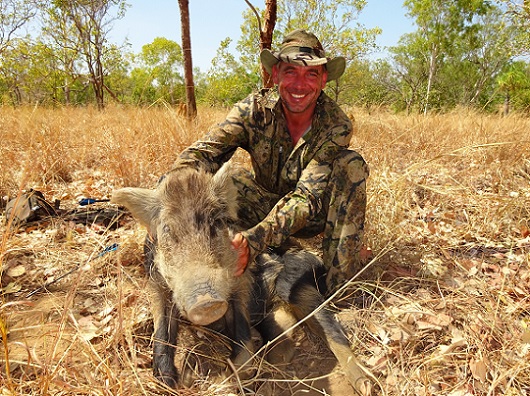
<point>443,308</point>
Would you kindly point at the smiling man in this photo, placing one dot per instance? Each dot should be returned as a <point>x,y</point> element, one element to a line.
<point>304,180</point>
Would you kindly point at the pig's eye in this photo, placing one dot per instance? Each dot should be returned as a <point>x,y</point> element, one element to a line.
<point>200,219</point>
<point>166,233</point>
<point>167,236</point>
<point>216,225</point>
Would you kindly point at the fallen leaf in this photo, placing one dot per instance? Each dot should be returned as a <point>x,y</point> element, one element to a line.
<point>11,288</point>
<point>526,336</point>
<point>479,369</point>
<point>424,325</point>
<point>441,319</point>
<point>87,328</point>
<point>397,334</point>
<point>436,322</point>
<point>463,391</point>
<point>431,227</point>
<point>457,341</point>
<point>17,271</point>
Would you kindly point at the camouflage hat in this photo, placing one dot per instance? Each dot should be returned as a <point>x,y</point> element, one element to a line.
<point>303,48</point>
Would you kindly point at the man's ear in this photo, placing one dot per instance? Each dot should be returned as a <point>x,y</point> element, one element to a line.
<point>275,73</point>
<point>324,77</point>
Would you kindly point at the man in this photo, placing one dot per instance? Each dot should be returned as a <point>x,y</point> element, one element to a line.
<point>305,180</point>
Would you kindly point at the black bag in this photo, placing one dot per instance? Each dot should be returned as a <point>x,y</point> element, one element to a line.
<point>28,207</point>
<point>33,207</point>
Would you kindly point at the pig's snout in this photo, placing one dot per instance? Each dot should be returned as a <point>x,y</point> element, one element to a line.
<point>206,309</point>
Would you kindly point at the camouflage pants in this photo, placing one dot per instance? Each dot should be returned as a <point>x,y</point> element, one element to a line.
<point>341,220</point>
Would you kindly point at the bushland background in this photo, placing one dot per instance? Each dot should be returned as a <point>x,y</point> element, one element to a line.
<point>442,123</point>
<point>466,53</point>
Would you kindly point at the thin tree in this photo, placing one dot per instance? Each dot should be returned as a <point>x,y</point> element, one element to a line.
<point>265,33</point>
<point>14,14</point>
<point>91,20</point>
<point>440,24</point>
<point>191,104</point>
<point>60,34</point>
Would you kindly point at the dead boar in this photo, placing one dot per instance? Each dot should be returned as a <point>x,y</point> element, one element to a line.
<point>191,218</point>
<point>190,262</point>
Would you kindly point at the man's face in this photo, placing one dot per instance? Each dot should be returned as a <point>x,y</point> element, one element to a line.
<point>299,86</point>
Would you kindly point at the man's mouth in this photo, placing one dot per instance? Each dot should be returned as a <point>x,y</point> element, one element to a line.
<point>298,96</point>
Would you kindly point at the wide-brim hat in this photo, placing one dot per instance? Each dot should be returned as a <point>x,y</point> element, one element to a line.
<point>304,49</point>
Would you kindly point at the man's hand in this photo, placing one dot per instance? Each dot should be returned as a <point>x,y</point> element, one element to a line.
<point>240,244</point>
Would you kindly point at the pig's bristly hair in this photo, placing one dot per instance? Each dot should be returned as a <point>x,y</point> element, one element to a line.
<point>197,191</point>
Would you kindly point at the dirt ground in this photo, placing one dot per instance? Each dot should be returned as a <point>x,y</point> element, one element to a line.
<point>92,321</point>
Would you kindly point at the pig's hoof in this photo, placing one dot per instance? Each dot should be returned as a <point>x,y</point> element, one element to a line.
<point>169,379</point>
<point>363,386</point>
<point>281,352</point>
<point>361,379</point>
<point>190,371</point>
<point>165,371</point>
<point>242,365</point>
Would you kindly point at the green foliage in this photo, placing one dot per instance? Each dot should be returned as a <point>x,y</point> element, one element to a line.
<point>454,56</point>
<point>227,80</point>
<point>14,14</point>
<point>518,12</point>
<point>83,25</point>
<point>514,85</point>
<point>162,60</point>
<point>31,75</point>
<point>463,53</point>
<point>332,21</point>
<point>142,90</point>
<point>118,66</point>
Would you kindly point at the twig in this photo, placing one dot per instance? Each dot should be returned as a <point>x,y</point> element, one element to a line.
<point>110,248</point>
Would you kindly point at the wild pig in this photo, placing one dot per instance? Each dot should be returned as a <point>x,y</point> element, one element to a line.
<point>191,219</point>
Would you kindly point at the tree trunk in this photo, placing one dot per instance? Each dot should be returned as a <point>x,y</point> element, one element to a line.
<point>265,34</point>
<point>99,83</point>
<point>96,79</point>
<point>432,71</point>
<point>266,37</point>
<point>191,104</point>
<point>66,91</point>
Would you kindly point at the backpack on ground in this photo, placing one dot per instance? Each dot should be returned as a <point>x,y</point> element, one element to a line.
<point>28,207</point>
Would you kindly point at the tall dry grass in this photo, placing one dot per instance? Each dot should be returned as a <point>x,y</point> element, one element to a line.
<point>448,221</point>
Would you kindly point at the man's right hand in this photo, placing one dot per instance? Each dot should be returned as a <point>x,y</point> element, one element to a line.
<point>240,244</point>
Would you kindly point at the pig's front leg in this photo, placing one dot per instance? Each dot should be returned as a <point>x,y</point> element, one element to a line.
<point>238,330</point>
<point>165,336</point>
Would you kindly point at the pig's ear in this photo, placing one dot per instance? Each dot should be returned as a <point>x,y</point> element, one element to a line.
<point>226,189</point>
<point>141,202</point>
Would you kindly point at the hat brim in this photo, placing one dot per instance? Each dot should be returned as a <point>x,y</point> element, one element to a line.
<point>335,66</point>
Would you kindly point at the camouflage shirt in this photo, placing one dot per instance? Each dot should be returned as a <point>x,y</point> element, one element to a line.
<point>297,174</point>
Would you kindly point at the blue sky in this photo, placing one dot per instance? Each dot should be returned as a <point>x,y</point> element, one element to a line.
<point>213,21</point>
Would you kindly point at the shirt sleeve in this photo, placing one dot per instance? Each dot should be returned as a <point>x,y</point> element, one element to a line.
<point>220,143</point>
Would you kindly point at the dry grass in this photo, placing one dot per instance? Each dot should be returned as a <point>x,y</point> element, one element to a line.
<point>448,221</point>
